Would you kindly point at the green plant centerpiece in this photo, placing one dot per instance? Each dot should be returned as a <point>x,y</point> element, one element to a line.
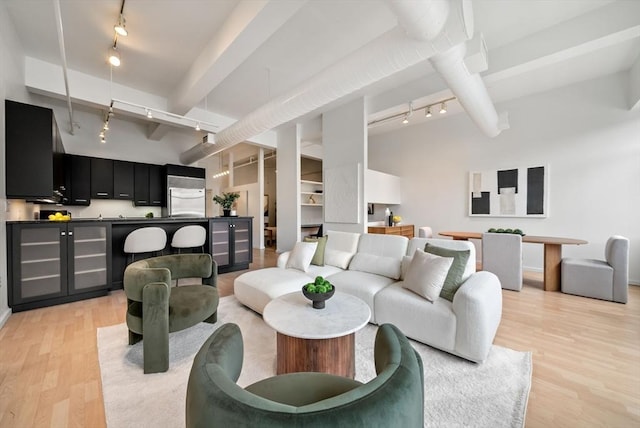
<point>514,231</point>
<point>318,291</point>
<point>226,201</point>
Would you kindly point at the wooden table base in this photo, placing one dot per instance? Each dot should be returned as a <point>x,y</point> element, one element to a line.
<point>335,356</point>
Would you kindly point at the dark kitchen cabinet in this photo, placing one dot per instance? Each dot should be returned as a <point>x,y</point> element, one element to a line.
<point>185,171</point>
<point>101,178</point>
<point>123,180</point>
<point>148,185</point>
<point>231,241</point>
<point>77,180</point>
<point>156,185</point>
<point>141,185</point>
<point>52,263</point>
<point>33,152</point>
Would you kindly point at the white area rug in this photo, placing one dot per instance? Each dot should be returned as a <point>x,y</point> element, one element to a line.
<point>457,393</point>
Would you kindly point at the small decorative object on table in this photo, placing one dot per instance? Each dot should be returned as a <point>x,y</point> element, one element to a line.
<point>515,231</point>
<point>318,291</point>
<point>226,201</point>
<point>396,220</point>
<point>149,215</point>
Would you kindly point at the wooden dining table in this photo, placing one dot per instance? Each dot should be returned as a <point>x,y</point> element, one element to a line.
<point>552,253</point>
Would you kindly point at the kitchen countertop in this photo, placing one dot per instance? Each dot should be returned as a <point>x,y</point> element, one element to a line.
<point>117,220</point>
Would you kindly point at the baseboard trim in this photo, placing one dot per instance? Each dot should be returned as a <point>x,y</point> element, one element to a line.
<point>4,316</point>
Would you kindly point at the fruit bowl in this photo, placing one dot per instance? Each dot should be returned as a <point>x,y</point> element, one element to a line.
<point>318,292</point>
<point>318,299</point>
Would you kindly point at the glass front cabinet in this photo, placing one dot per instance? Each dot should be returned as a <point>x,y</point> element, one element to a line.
<point>52,263</point>
<point>231,242</point>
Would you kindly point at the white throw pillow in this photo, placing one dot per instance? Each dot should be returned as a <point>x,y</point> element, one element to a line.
<point>426,274</point>
<point>341,247</point>
<point>380,265</point>
<point>301,255</point>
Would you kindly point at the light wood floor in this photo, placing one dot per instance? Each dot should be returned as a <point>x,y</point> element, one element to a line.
<point>586,357</point>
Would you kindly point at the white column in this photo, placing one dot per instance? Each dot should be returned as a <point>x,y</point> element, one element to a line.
<point>259,220</point>
<point>288,188</point>
<point>344,140</point>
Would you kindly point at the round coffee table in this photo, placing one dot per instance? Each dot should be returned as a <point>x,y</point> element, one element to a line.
<point>316,340</point>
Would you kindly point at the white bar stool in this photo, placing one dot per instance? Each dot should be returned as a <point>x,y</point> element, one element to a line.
<point>145,240</point>
<point>189,237</point>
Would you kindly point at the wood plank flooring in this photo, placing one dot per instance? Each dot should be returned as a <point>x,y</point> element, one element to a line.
<point>586,357</point>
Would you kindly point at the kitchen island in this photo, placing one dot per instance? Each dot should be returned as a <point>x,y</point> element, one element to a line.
<point>53,262</point>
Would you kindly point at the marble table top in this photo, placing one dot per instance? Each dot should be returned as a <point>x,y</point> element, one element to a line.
<point>293,315</point>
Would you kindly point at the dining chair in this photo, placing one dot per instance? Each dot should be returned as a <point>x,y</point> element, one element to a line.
<point>502,255</point>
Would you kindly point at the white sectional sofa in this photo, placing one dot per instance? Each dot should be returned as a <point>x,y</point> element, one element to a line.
<point>371,267</point>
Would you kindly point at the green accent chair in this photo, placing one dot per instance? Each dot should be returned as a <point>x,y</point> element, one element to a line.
<point>155,308</point>
<point>394,398</point>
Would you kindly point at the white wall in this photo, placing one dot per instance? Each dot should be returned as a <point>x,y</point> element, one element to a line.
<point>583,132</point>
<point>11,87</point>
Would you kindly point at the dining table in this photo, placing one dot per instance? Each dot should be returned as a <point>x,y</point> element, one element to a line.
<point>552,253</point>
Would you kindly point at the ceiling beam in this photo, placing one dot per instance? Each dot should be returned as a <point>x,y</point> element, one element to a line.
<point>613,24</point>
<point>250,24</point>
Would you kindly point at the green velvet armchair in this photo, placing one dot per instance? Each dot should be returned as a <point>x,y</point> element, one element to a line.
<point>394,398</point>
<point>155,308</point>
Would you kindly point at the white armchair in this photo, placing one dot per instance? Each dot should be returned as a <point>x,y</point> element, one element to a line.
<point>600,279</point>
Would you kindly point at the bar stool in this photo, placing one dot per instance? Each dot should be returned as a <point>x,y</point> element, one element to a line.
<point>145,240</point>
<point>189,237</point>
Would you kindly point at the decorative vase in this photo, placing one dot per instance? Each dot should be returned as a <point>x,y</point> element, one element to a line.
<point>226,213</point>
<point>318,299</point>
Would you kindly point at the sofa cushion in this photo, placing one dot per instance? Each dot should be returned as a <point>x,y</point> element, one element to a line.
<point>258,287</point>
<point>318,257</point>
<point>426,274</point>
<point>380,254</point>
<point>300,257</point>
<point>452,244</point>
<point>385,266</point>
<point>323,271</point>
<point>363,285</point>
<point>454,276</point>
<point>431,323</point>
<point>340,248</point>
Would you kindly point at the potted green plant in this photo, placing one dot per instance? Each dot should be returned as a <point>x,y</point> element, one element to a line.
<point>318,291</point>
<point>226,201</point>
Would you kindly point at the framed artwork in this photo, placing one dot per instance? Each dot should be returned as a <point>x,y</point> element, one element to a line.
<point>512,192</point>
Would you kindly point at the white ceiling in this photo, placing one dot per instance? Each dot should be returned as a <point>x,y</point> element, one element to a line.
<point>534,45</point>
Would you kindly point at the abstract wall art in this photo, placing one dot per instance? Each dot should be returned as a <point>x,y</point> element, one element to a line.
<point>510,192</point>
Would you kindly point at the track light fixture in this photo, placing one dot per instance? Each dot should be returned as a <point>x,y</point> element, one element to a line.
<point>409,113</point>
<point>149,114</point>
<point>406,114</point>
<point>120,28</point>
<point>197,126</point>
<point>105,125</point>
<point>114,55</point>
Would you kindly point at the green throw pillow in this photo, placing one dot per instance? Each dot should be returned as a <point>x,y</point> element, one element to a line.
<point>318,257</point>
<point>454,277</point>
